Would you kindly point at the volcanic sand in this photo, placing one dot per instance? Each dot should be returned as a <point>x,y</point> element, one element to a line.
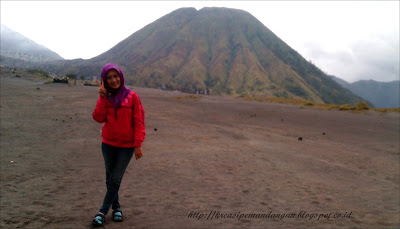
<point>213,154</point>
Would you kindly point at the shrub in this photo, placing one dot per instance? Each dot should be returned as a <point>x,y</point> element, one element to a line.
<point>283,94</point>
<point>331,106</point>
<point>362,106</point>
<point>194,97</point>
<point>344,107</point>
<point>387,109</point>
<point>38,71</point>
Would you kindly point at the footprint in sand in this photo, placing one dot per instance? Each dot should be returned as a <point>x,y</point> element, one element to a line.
<point>11,221</point>
<point>61,188</point>
<point>137,212</point>
<point>42,203</point>
<point>30,212</point>
<point>315,202</point>
<point>244,221</point>
<point>267,197</point>
<point>236,204</point>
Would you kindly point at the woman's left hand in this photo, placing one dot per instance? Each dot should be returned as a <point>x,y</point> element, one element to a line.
<point>138,152</point>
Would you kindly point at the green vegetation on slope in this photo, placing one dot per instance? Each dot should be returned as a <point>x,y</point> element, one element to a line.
<point>219,50</point>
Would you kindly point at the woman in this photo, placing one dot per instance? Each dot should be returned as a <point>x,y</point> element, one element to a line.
<point>122,113</point>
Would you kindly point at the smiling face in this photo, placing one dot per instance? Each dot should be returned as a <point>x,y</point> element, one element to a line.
<point>113,79</point>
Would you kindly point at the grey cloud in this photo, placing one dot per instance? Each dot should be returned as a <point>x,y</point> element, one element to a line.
<point>381,57</point>
<point>368,59</point>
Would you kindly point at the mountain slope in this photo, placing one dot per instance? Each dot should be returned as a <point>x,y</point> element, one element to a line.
<point>225,51</point>
<point>380,94</point>
<point>17,46</point>
<point>342,82</point>
<point>218,50</point>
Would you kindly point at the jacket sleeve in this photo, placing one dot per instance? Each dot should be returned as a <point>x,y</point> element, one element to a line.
<point>138,122</point>
<point>100,112</point>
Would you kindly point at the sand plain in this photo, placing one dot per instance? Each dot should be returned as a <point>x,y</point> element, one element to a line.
<point>215,156</point>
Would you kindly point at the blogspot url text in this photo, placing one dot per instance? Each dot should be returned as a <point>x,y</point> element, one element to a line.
<point>269,215</point>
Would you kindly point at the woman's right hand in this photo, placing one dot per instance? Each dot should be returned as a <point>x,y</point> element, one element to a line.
<point>102,89</point>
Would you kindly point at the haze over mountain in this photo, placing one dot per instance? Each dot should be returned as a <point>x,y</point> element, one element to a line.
<point>380,94</point>
<point>17,46</point>
<point>220,50</point>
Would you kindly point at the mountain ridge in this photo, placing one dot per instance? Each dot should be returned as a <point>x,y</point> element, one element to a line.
<point>226,51</point>
<point>380,94</point>
<point>220,50</point>
<point>17,46</point>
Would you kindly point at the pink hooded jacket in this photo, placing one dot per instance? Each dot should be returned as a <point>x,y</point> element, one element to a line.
<point>123,123</point>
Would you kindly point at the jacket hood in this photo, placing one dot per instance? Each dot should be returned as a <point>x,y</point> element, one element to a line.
<point>116,96</point>
<point>107,68</point>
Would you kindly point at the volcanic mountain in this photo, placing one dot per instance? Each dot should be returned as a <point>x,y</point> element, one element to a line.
<point>218,50</point>
<point>19,47</point>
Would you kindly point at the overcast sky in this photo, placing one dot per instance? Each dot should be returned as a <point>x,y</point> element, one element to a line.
<point>351,40</point>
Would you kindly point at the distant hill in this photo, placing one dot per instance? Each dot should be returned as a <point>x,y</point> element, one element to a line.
<point>380,94</point>
<point>219,50</point>
<point>17,46</point>
<point>342,82</point>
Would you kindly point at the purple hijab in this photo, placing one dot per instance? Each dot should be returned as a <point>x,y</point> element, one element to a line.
<point>118,95</point>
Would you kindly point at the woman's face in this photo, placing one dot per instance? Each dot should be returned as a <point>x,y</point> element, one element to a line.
<point>113,79</point>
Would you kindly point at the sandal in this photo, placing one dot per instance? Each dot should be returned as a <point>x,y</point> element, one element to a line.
<point>99,219</point>
<point>117,216</point>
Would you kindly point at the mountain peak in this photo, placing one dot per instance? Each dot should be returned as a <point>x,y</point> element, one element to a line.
<point>224,51</point>
<point>17,46</point>
<point>219,50</point>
